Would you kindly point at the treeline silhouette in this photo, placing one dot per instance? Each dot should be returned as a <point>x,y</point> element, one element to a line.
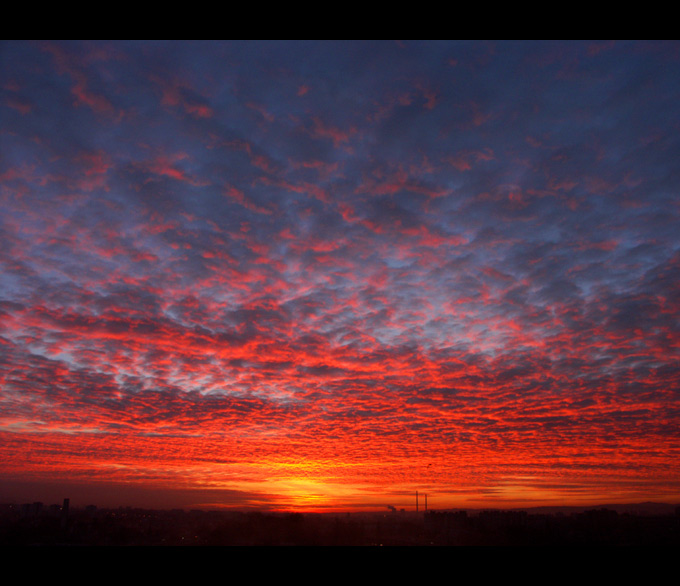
<point>34,526</point>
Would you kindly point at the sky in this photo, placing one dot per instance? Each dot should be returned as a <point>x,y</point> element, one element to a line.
<point>323,276</point>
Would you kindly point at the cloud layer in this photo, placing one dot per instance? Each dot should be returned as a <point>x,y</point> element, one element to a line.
<point>313,274</point>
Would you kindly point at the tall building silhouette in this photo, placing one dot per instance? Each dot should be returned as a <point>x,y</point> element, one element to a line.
<point>64,512</point>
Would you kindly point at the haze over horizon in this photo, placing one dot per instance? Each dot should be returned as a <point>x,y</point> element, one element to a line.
<point>327,275</point>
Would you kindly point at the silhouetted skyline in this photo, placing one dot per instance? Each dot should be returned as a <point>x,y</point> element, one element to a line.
<point>36,525</point>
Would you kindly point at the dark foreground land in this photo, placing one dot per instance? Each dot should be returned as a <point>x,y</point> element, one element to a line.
<point>33,525</point>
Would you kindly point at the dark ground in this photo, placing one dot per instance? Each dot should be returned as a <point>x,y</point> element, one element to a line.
<point>34,525</point>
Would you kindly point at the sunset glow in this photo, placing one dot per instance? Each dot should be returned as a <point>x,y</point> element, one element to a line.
<point>324,276</point>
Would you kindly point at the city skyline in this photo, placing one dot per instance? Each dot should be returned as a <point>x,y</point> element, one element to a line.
<point>321,276</point>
